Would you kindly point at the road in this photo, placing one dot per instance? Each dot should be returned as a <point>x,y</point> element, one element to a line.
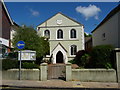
<point>17,88</point>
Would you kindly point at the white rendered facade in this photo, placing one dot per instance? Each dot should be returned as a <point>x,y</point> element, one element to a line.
<point>66,37</point>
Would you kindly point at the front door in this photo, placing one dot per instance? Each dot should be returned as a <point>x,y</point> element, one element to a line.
<point>59,57</point>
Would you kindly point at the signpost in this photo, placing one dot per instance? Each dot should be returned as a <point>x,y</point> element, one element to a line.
<point>20,45</point>
<point>27,55</point>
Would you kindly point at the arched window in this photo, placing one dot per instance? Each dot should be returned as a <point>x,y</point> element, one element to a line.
<point>73,33</point>
<point>47,33</point>
<point>59,34</point>
<point>73,49</point>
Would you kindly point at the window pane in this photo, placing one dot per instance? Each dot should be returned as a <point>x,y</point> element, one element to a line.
<point>73,49</point>
<point>47,33</point>
<point>73,33</point>
<point>59,34</point>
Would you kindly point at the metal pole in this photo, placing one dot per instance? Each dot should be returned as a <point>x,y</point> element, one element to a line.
<point>20,67</point>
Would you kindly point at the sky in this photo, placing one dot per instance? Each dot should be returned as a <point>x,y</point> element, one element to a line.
<point>90,14</point>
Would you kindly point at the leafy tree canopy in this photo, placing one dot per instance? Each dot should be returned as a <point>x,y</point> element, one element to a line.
<point>32,41</point>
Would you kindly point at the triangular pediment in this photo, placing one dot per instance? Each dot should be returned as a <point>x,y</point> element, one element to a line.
<point>60,19</point>
<point>59,47</point>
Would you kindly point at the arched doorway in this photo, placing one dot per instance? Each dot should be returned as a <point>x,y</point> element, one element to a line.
<point>59,57</point>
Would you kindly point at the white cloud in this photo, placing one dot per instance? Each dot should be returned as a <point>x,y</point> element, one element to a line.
<point>96,17</point>
<point>90,11</point>
<point>34,13</point>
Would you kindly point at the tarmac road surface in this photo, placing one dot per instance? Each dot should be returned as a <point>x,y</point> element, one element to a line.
<point>15,88</point>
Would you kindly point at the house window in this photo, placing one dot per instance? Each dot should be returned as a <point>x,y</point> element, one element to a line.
<point>47,33</point>
<point>73,33</point>
<point>103,36</point>
<point>59,34</point>
<point>73,49</point>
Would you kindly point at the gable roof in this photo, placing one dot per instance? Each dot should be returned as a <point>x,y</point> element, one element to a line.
<point>60,45</point>
<point>113,12</point>
<point>63,15</point>
<point>4,6</point>
<point>16,24</point>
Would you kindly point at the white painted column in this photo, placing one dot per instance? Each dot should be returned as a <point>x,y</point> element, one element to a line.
<point>43,72</point>
<point>68,72</point>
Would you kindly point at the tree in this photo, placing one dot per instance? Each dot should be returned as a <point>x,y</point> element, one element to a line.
<point>32,41</point>
<point>87,35</point>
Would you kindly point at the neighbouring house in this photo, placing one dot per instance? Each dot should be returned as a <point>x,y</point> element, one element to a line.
<point>65,35</point>
<point>12,32</point>
<point>7,27</point>
<point>88,43</point>
<point>108,31</point>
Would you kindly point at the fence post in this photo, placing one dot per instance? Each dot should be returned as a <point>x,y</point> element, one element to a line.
<point>43,72</point>
<point>68,72</point>
<point>117,51</point>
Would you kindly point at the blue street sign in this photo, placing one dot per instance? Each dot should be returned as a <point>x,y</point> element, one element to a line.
<point>20,45</point>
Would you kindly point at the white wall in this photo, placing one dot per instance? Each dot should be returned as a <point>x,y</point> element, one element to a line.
<point>27,74</point>
<point>94,75</point>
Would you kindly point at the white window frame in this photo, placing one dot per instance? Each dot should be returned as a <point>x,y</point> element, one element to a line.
<point>70,34</point>
<point>49,32</point>
<point>59,38</point>
<point>70,50</point>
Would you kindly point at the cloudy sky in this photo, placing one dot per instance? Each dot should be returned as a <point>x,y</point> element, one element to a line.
<point>90,14</point>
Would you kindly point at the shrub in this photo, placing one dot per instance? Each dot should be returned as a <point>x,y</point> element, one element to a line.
<point>13,55</point>
<point>102,56</point>
<point>9,64</point>
<point>79,54</point>
<point>38,61</point>
<point>29,65</point>
<point>85,60</point>
<point>72,61</point>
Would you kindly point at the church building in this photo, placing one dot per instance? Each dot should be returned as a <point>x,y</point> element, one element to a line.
<point>65,35</point>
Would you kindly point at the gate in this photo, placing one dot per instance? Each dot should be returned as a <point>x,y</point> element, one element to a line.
<point>56,71</point>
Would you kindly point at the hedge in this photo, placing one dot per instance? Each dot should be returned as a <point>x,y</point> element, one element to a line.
<point>29,65</point>
<point>102,56</point>
<point>9,64</point>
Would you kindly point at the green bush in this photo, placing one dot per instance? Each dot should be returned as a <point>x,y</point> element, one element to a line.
<point>79,54</point>
<point>85,60</point>
<point>101,56</point>
<point>9,64</point>
<point>72,61</point>
<point>29,65</point>
<point>80,59</point>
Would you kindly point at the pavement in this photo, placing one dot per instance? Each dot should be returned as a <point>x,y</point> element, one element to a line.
<point>57,84</point>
